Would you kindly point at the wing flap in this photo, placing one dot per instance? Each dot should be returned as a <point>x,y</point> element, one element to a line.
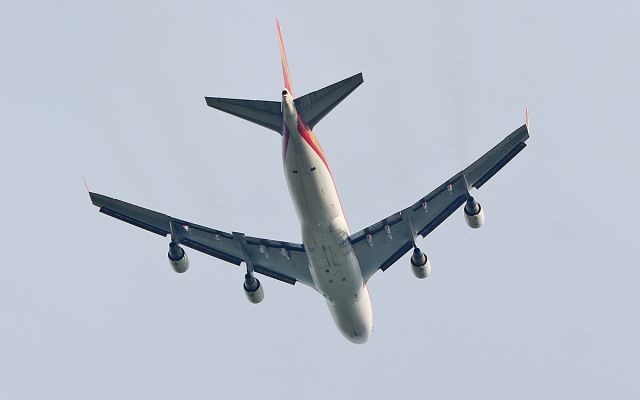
<point>284,261</point>
<point>478,173</point>
<point>429,212</point>
<point>272,274</point>
<point>385,242</point>
<point>141,217</point>
<point>396,256</point>
<point>382,244</point>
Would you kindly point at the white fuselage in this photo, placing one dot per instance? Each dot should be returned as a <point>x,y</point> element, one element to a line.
<point>333,264</point>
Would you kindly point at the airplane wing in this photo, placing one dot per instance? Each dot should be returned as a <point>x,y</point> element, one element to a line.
<point>283,261</point>
<point>383,243</point>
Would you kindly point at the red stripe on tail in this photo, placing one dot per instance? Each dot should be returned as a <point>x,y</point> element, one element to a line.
<point>285,64</point>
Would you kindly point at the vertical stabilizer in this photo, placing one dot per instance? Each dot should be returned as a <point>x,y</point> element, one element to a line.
<point>285,64</point>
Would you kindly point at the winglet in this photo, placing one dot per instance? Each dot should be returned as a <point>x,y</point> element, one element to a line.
<point>285,64</point>
<point>526,117</point>
<point>86,185</point>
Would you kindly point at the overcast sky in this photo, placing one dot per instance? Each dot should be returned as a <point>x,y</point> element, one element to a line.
<point>542,302</point>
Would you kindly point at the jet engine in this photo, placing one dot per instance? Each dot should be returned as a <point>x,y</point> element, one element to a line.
<point>420,264</point>
<point>253,289</point>
<point>473,213</point>
<point>178,258</point>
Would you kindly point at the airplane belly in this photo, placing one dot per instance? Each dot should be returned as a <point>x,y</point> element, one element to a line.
<point>310,185</point>
<point>333,261</point>
<point>354,319</point>
<point>336,273</point>
<point>333,265</point>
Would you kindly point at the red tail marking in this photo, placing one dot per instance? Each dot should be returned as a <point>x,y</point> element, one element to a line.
<point>285,64</point>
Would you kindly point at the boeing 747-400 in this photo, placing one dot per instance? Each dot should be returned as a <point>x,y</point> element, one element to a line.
<point>331,260</point>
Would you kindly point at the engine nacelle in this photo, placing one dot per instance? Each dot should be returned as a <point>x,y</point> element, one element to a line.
<point>473,213</point>
<point>253,289</point>
<point>420,265</point>
<point>178,258</point>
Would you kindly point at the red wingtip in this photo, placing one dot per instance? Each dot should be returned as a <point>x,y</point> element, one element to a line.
<point>526,117</point>
<point>285,64</point>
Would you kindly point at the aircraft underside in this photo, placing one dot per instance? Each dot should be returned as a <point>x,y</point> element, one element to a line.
<point>330,259</point>
<point>325,234</point>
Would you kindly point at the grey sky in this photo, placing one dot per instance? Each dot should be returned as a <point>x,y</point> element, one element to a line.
<point>539,303</point>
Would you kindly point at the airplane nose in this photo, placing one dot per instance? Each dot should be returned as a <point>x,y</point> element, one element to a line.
<point>358,337</point>
<point>357,330</point>
<point>353,319</point>
<point>354,330</point>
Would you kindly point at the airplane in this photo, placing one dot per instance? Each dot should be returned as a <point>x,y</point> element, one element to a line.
<point>330,259</point>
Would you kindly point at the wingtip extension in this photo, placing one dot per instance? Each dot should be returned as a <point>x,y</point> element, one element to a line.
<point>526,117</point>
<point>92,195</point>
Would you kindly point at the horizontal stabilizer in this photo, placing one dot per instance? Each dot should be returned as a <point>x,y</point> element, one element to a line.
<point>263,113</point>
<point>315,105</point>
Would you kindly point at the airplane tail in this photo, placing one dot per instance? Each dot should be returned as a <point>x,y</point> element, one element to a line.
<point>315,105</point>
<point>285,64</point>
<point>312,107</point>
